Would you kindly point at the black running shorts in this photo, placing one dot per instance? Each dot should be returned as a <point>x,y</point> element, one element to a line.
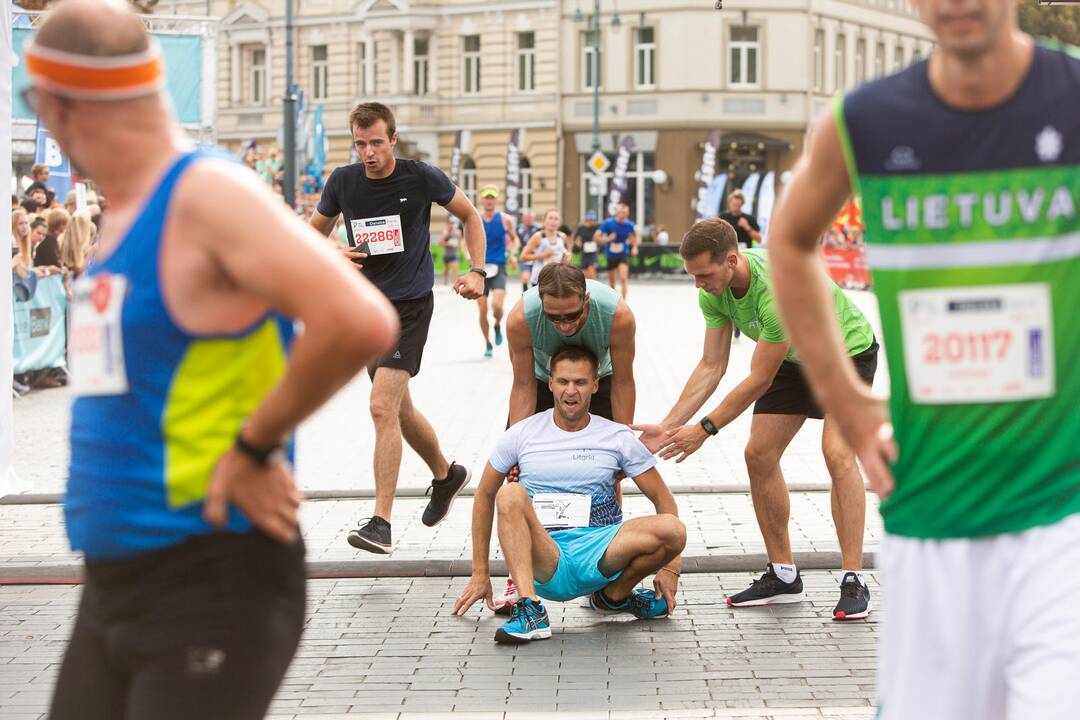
<point>790,393</point>
<point>204,629</point>
<point>497,282</point>
<point>601,401</point>
<point>415,317</point>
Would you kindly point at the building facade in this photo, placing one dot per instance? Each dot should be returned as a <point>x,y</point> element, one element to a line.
<point>752,77</point>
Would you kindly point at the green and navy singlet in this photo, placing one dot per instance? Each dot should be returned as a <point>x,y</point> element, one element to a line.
<point>973,241</point>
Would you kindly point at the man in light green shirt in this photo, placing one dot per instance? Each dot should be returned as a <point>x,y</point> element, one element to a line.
<point>735,290</point>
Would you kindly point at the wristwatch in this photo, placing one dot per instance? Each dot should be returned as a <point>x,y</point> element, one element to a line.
<point>259,455</point>
<point>708,425</point>
<point>481,271</point>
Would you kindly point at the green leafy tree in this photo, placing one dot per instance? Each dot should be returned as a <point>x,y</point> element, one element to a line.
<point>1061,22</point>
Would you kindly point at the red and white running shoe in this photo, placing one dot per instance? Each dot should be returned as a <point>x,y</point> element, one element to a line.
<point>505,605</point>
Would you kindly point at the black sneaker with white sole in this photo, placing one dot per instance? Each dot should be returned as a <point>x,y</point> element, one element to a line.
<point>854,599</point>
<point>769,590</point>
<point>443,493</point>
<point>372,535</point>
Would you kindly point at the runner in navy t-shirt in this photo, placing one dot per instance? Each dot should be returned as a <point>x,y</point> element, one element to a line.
<point>387,207</point>
<point>619,237</point>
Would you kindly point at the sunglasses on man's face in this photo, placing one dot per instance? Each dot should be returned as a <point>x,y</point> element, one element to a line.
<point>568,317</point>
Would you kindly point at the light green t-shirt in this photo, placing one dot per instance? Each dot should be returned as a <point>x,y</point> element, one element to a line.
<point>758,317</point>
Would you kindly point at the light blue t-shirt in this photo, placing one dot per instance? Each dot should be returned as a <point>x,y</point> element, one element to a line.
<point>552,460</point>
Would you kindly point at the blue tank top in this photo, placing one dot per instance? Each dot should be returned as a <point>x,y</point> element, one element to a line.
<point>141,460</point>
<point>495,233</point>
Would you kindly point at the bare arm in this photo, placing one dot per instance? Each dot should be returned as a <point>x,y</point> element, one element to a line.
<point>817,190</point>
<point>482,519</point>
<point>623,387</point>
<point>323,225</point>
<point>763,366</point>
<point>267,251</point>
<point>513,241</point>
<point>523,390</point>
<point>654,488</point>
<point>528,254</point>
<point>704,379</point>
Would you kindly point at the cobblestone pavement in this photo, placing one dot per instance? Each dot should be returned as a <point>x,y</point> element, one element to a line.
<point>386,647</point>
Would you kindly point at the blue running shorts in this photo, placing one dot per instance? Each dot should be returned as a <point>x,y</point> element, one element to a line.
<point>578,572</point>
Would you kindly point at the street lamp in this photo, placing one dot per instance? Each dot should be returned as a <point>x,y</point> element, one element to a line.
<point>594,23</point>
<point>288,185</point>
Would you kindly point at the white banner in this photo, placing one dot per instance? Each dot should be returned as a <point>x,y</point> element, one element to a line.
<point>9,483</point>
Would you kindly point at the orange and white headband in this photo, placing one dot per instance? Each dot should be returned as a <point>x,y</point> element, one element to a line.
<point>86,77</point>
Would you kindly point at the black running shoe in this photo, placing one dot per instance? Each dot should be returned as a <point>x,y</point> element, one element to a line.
<point>443,493</point>
<point>854,599</point>
<point>373,535</point>
<point>769,590</point>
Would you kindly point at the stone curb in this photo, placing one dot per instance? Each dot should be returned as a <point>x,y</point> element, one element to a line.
<point>413,493</point>
<point>68,573</point>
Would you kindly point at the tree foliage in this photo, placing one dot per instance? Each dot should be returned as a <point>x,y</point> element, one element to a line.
<point>1061,22</point>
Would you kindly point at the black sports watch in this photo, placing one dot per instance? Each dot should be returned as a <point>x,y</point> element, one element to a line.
<point>708,425</point>
<point>480,271</point>
<point>259,455</point>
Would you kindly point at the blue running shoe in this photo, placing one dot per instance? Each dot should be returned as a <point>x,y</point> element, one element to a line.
<point>528,622</point>
<point>642,604</point>
<point>498,334</point>
<point>487,351</point>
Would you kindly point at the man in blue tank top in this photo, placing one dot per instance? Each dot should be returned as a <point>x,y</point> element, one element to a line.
<point>189,383</point>
<point>502,243</point>
<point>620,239</point>
<point>968,166</point>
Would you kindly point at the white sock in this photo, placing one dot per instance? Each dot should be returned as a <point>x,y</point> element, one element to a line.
<point>857,573</point>
<point>787,573</point>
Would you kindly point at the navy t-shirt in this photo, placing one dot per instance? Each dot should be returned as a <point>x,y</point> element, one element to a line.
<point>406,195</point>
<point>622,230</point>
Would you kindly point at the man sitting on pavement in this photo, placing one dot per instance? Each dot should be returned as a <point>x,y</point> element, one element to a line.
<point>560,527</point>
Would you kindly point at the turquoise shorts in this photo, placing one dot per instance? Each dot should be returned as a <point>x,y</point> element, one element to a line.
<point>578,572</point>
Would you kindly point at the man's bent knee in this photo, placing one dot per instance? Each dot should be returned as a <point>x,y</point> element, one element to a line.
<point>512,497</point>
<point>671,531</point>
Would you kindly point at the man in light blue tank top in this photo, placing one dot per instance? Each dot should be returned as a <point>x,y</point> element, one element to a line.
<point>189,383</point>
<point>502,243</point>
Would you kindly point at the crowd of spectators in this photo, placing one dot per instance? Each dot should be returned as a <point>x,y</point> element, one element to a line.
<point>49,238</point>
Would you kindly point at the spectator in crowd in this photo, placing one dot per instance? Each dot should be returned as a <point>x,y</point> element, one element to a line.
<point>661,235</point>
<point>75,243</point>
<point>39,173</point>
<point>22,249</point>
<point>35,199</point>
<point>47,252</point>
<point>70,202</point>
<point>746,227</point>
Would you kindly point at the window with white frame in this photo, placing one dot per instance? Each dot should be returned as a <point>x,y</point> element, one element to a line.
<point>916,55</point>
<point>367,68</point>
<point>320,73</point>
<point>258,76</point>
<point>860,60</point>
<point>421,66</point>
<point>840,63</point>
<point>898,58</point>
<point>819,61</point>
<point>468,178</point>
<point>592,61</point>
<point>645,58</point>
<point>470,65</point>
<point>879,60</point>
<point>744,57</point>
<point>526,184</point>
<point>526,61</point>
